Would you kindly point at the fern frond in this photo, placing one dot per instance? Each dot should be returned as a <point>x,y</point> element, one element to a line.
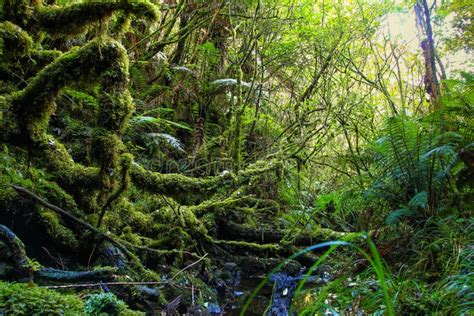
<point>170,139</point>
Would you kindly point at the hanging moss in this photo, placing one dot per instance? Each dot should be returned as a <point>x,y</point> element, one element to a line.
<point>121,25</point>
<point>116,108</point>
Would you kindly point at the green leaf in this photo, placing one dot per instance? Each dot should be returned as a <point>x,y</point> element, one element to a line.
<point>394,217</point>
<point>419,201</point>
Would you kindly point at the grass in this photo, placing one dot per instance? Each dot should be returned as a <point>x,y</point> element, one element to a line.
<point>373,258</point>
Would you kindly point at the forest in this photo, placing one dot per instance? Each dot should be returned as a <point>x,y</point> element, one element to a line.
<point>236,157</point>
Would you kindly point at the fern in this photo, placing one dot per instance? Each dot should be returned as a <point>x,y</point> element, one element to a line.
<point>229,82</point>
<point>414,164</point>
<point>156,121</point>
<point>171,140</point>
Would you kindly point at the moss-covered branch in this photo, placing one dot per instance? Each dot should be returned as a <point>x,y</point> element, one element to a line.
<point>17,251</point>
<point>175,184</point>
<point>230,230</point>
<point>14,42</point>
<point>73,19</point>
<point>104,61</point>
<point>34,105</point>
<point>76,18</point>
<point>24,267</point>
<point>101,274</point>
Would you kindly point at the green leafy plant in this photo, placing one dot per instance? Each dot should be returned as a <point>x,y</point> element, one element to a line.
<point>29,299</point>
<point>106,304</point>
<point>374,260</point>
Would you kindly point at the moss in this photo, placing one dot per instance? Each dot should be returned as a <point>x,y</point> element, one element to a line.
<point>121,25</point>
<point>71,175</point>
<point>258,168</point>
<point>237,246</point>
<point>16,251</point>
<point>115,108</point>
<point>176,184</point>
<point>60,234</point>
<point>104,60</point>
<point>35,104</point>
<point>6,123</point>
<point>98,274</point>
<point>29,299</point>
<point>217,205</point>
<point>16,11</point>
<point>125,214</point>
<point>190,221</point>
<point>77,18</point>
<point>169,238</point>
<point>107,304</point>
<point>268,234</point>
<point>38,59</point>
<point>105,149</point>
<point>14,42</point>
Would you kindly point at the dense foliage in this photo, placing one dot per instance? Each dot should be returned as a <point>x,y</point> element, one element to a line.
<point>158,154</point>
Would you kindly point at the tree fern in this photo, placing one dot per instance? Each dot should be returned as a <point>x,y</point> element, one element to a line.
<point>414,165</point>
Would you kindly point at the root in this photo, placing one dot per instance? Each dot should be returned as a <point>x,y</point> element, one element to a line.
<point>17,250</point>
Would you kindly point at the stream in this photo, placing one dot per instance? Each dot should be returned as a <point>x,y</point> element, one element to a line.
<point>274,298</point>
